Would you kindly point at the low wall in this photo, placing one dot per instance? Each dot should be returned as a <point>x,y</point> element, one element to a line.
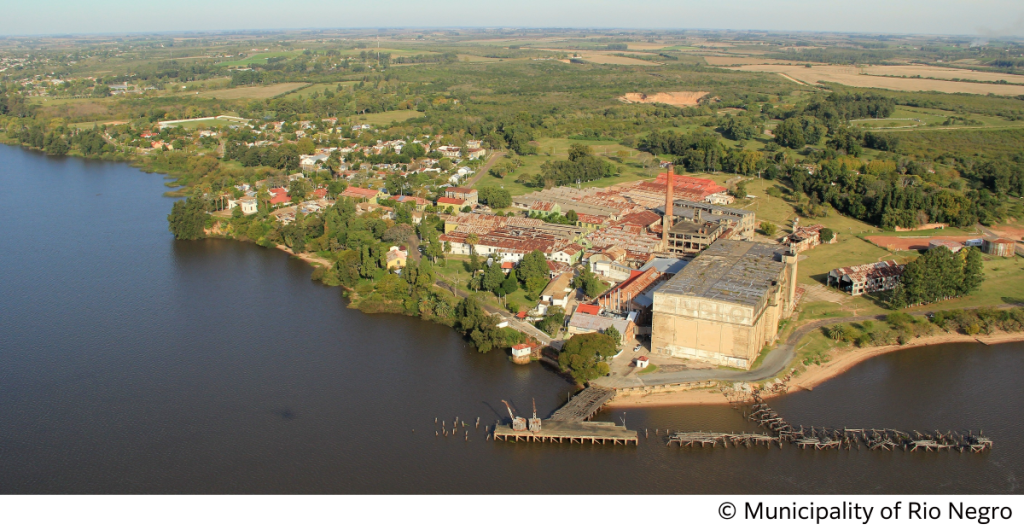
<point>664,389</point>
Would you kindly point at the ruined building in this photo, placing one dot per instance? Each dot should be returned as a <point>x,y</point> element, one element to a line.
<point>726,304</point>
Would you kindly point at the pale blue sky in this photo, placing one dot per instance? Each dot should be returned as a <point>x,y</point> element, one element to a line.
<point>960,17</point>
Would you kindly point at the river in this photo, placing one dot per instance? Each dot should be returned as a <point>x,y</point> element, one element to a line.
<point>133,363</point>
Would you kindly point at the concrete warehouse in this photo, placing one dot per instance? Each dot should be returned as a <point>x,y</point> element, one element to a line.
<point>726,304</point>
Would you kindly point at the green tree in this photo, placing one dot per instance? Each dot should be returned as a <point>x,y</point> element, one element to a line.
<point>768,228</point>
<point>553,320</point>
<point>533,266</point>
<point>615,335</point>
<point>511,283</point>
<point>493,278</point>
<point>582,356</point>
<point>826,235</point>
<point>188,219</point>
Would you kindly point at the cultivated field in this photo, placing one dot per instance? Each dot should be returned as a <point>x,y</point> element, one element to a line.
<point>729,60</point>
<point>319,88</point>
<point>254,92</point>
<point>852,76</point>
<point>385,118</point>
<point>678,99</point>
<point>608,58</point>
<point>259,58</point>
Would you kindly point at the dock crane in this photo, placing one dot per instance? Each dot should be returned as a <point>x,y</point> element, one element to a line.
<point>534,421</point>
<point>518,422</point>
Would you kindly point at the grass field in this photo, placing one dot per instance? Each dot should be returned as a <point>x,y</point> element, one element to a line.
<point>259,58</point>
<point>851,76</point>
<point>386,118</point>
<point>252,92</point>
<point>558,149</point>
<point>212,122</point>
<point>318,88</point>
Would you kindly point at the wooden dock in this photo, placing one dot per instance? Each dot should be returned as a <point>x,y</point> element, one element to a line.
<point>581,432</point>
<point>584,405</point>
<point>569,424</point>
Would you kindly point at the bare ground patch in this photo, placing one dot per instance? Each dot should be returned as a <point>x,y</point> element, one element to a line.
<point>678,99</point>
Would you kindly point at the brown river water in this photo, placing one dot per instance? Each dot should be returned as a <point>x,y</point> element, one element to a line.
<point>132,363</point>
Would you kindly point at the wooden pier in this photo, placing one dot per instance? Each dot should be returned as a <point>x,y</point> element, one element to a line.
<point>571,432</point>
<point>825,438</point>
<point>584,405</point>
<point>569,424</point>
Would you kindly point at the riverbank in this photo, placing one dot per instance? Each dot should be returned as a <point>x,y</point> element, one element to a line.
<point>845,358</point>
<point>842,360</point>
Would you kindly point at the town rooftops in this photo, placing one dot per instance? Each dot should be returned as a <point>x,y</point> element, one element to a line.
<point>740,272</point>
<point>359,193</point>
<point>597,323</point>
<point>542,206</point>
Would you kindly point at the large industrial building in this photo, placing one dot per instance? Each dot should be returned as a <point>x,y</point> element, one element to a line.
<point>726,304</point>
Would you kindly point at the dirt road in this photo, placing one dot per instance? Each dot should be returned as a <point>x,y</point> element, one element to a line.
<point>484,169</point>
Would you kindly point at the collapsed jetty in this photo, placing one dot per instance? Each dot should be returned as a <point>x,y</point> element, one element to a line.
<point>824,438</point>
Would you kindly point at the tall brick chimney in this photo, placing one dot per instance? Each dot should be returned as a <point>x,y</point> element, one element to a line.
<point>669,198</point>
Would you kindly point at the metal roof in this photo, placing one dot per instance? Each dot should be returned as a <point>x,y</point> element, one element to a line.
<point>740,272</point>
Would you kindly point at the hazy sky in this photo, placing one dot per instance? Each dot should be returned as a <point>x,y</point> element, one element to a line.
<point>962,17</point>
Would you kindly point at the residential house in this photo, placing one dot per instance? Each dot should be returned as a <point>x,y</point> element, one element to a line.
<point>279,197</point>
<point>247,204</point>
<point>419,203</point>
<point>396,257</point>
<point>363,194</point>
<point>467,194</point>
<point>448,202</point>
<point>557,293</point>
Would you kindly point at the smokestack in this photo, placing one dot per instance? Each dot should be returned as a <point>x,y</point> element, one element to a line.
<point>669,197</point>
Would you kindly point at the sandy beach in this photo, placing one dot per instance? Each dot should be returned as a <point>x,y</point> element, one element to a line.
<point>842,360</point>
<point>845,358</point>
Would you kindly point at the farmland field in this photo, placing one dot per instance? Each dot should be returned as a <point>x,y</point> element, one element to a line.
<point>852,76</point>
<point>253,92</point>
<point>319,88</point>
<point>385,118</point>
<point>259,58</point>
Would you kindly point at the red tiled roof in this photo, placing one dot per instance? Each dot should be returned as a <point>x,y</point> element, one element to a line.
<point>320,193</point>
<point>449,200</point>
<point>588,309</point>
<point>279,196</point>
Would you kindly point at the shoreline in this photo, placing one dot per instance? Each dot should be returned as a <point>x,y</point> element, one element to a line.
<point>844,359</point>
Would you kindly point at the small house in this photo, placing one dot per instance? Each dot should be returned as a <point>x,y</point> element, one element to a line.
<point>396,257</point>
<point>643,362</point>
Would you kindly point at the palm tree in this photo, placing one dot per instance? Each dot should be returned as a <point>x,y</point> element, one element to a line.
<point>836,332</point>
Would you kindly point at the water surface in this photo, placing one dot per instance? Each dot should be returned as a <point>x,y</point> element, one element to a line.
<point>132,363</point>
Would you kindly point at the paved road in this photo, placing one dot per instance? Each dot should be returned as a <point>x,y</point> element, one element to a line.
<point>773,363</point>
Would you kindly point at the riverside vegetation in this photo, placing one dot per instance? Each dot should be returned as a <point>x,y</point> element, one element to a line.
<point>556,124</point>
